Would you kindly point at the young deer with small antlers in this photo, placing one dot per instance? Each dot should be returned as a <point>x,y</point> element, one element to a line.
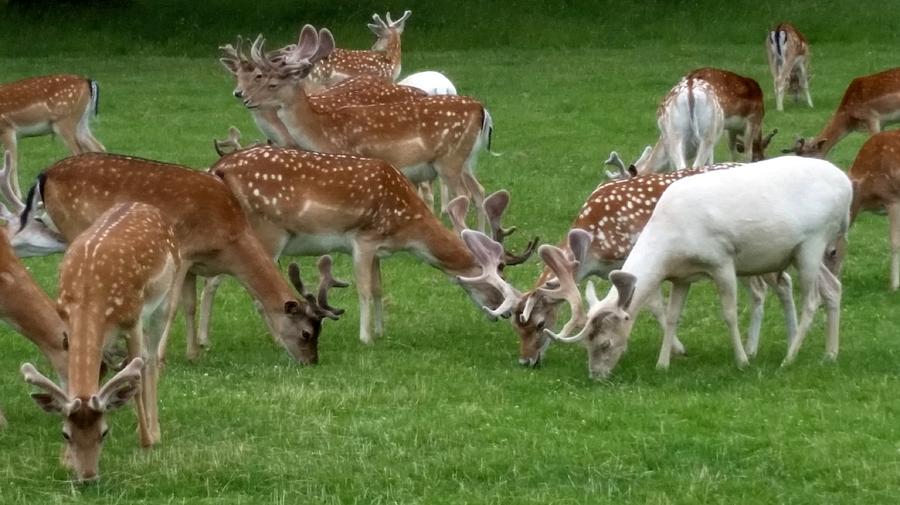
<point>599,240</point>
<point>382,61</point>
<point>690,120</point>
<point>869,104</point>
<point>726,223</point>
<point>788,55</point>
<point>210,227</point>
<point>306,203</point>
<point>60,104</point>
<point>425,138</point>
<point>121,274</point>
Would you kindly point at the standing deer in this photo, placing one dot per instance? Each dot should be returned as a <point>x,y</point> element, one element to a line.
<point>875,174</point>
<point>121,274</point>
<point>788,55</point>
<point>747,220</point>
<point>599,241</point>
<point>60,104</point>
<point>212,230</point>
<point>306,203</point>
<point>382,61</point>
<point>741,100</point>
<point>869,104</point>
<point>690,120</point>
<point>425,138</point>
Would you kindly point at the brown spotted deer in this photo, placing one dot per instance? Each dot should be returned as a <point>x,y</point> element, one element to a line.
<point>359,90</point>
<point>60,104</point>
<point>600,239</point>
<point>210,226</point>
<point>741,100</point>
<point>425,138</point>
<point>869,104</point>
<point>120,278</point>
<point>306,203</point>
<point>876,185</point>
<point>719,225</point>
<point>788,55</point>
<point>690,120</point>
<point>382,61</point>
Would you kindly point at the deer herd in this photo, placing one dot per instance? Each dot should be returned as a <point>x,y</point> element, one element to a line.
<point>348,163</point>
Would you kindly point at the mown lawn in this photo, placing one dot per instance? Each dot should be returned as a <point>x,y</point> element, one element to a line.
<point>438,411</point>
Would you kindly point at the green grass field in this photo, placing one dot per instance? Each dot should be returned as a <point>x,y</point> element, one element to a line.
<point>438,411</point>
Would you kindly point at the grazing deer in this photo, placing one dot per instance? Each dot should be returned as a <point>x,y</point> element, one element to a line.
<point>359,90</point>
<point>788,55</point>
<point>690,120</point>
<point>875,173</point>
<point>869,104</point>
<point>60,104</point>
<point>382,61</point>
<point>425,138</point>
<point>34,239</point>
<point>599,241</point>
<point>746,220</point>
<point>431,82</point>
<point>306,203</point>
<point>741,100</point>
<point>119,276</point>
<point>212,230</point>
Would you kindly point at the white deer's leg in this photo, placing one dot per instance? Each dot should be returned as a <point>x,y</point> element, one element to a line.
<point>377,295</point>
<point>894,223</point>
<point>784,289</point>
<point>673,315</point>
<point>830,291</point>
<point>656,306</point>
<point>807,274</point>
<point>726,284</point>
<point>363,261</point>
<point>207,296</point>
<point>756,288</point>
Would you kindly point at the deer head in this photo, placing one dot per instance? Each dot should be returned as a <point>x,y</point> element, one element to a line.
<point>305,321</point>
<point>385,30</point>
<point>84,419</point>
<point>811,148</point>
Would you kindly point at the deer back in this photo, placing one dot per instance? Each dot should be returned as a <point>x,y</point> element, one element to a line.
<point>39,100</point>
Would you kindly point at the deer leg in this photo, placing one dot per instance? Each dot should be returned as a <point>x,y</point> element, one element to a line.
<point>784,290</point>
<point>426,193</point>
<point>804,81</point>
<point>830,290</point>
<point>377,297</point>
<point>189,306</point>
<point>2,420</point>
<point>135,339</point>
<point>732,144</point>
<point>656,306</point>
<point>726,284</point>
<point>780,84</point>
<point>86,138</point>
<point>66,131</point>
<point>757,289</point>
<point>807,270</point>
<point>363,262</point>
<point>8,137</point>
<point>476,192</point>
<point>673,314</point>
<point>894,223</point>
<point>210,286</point>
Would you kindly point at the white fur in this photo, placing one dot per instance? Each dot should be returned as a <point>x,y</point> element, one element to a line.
<point>431,82</point>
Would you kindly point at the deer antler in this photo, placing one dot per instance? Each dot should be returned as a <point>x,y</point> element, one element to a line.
<point>232,143</point>
<point>615,161</point>
<point>494,207</point>
<point>488,255</point>
<point>326,282</point>
<point>399,22</point>
<point>564,266</point>
<point>322,312</point>
<point>457,210</point>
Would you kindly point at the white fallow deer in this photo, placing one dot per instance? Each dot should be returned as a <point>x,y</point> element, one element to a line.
<point>747,220</point>
<point>306,203</point>
<point>33,239</point>
<point>431,82</point>
<point>359,90</point>
<point>691,121</point>
<point>788,55</point>
<point>60,104</point>
<point>741,100</point>
<point>210,226</point>
<point>599,241</point>
<point>869,104</point>
<point>382,61</point>
<point>426,138</point>
<point>118,277</point>
<point>876,185</point>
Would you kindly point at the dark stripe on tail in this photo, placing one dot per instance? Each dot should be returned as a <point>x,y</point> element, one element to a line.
<point>36,191</point>
<point>95,96</point>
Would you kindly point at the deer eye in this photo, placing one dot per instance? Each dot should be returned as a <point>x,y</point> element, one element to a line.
<point>606,344</point>
<point>105,432</point>
<point>306,335</point>
<point>273,86</point>
<point>67,436</point>
<point>540,325</point>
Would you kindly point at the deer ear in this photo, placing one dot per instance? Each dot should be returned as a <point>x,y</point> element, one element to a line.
<point>230,64</point>
<point>291,307</point>
<point>820,143</point>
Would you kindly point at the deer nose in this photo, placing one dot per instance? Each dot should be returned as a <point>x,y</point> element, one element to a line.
<point>238,93</point>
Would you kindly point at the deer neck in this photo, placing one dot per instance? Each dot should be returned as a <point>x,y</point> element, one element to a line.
<point>838,127</point>
<point>393,53</point>
<point>248,262</point>
<point>656,161</point>
<point>647,268</point>
<point>86,343</point>
<point>443,249</point>
<point>303,122</point>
